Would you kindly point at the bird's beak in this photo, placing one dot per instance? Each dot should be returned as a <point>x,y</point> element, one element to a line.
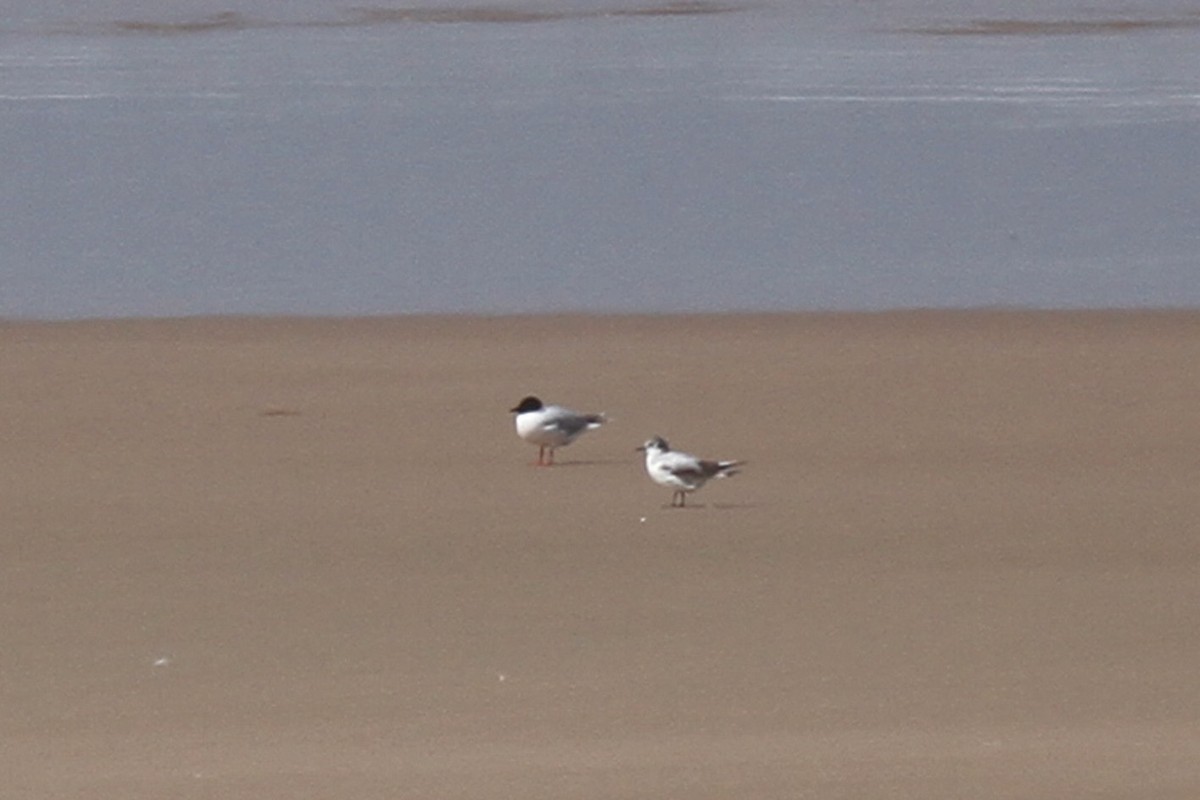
<point>640,449</point>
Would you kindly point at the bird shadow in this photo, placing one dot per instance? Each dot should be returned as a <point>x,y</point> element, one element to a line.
<point>713,506</point>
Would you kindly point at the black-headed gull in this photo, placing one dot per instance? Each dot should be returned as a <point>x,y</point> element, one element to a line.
<point>683,472</point>
<point>551,426</point>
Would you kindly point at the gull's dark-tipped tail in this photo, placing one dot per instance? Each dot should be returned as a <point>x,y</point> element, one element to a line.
<point>725,469</point>
<point>719,469</point>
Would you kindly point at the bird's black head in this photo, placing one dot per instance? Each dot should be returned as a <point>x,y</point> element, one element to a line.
<point>528,404</point>
<point>655,443</point>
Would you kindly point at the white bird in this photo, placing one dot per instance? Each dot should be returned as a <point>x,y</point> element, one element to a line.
<point>683,472</point>
<point>551,426</point>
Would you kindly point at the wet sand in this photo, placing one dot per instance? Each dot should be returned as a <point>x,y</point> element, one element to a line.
<point>286,558</point>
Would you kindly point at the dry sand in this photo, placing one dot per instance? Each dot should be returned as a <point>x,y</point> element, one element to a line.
<point>310,559</point>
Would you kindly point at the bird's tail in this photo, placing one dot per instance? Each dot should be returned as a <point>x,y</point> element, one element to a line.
<point>728,468</point>
<point>595,420</point>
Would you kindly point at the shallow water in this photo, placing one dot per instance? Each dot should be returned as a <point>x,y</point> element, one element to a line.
<point>230,158</point>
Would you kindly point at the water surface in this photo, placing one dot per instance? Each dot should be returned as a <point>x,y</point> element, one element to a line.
<point>605,156</point>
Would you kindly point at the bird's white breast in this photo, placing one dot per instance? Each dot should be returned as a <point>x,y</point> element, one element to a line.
<point>534,426</point>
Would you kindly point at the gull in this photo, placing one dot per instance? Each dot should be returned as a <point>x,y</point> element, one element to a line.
<point>683,472</point>
<point>551,426</point>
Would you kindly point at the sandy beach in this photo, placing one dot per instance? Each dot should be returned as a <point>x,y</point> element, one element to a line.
<point>289,558</point>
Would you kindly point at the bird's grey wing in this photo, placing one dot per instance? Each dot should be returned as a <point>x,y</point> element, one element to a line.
<point>721,468</point>
<point>688,473</point>
<point>568,422</point>
<point>712,468</point>
<point>571,423</point>
<point>685,466</point>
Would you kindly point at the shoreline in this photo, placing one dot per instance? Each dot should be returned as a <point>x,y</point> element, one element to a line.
<point>446,323</point>
<point>986,310</point>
